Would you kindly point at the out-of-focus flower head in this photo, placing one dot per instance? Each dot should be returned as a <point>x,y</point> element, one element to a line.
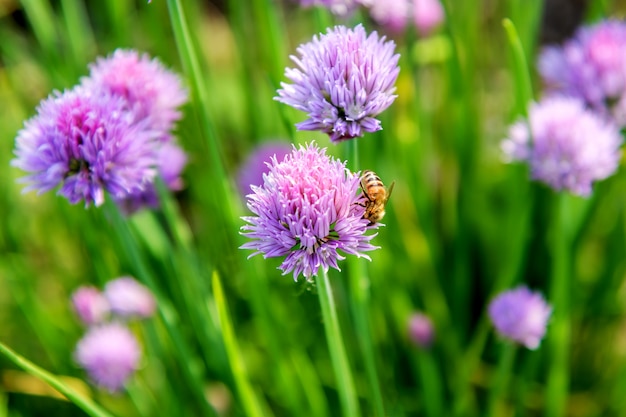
<point>520,315</point>
<point>252,170</point>
<point>171,160</point>
<point>345,78</point>
<point>110,354</point>
<point>128,298</point>
<point>427,15</point>
<point>90,305</point>
<point>153,94</point>
<point>309,209</point>
<point>88,143</point>
<point>592,66</point>
<point>421,330</point>
<point>395,15</point>
<point>340,8</point>
<point>151,90</point>
<point>566,145</point>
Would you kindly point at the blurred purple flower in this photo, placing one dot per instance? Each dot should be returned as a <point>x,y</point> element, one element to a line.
<point>393,15</point>
<point>309,209</point>
<point>88,143</point>
<point>90,305</point>
<point>151,90</point>
<point>128,298</point>
<point>592,66</point>
<point>171,160</point>
<point>337,7</point>
<point>520,315</point>
<point>252,170</point>
<point>568,147</point>
<point>344,80</point>
<point>421,331</point>
<point>110,354</point>
<point>427,15</point>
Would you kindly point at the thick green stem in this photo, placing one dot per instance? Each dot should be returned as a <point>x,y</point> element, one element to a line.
<point>338,356</point>
<point>249,401</point>
<point>560,328</point>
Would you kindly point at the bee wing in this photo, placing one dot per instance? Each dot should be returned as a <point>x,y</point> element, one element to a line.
<point>389,190</point>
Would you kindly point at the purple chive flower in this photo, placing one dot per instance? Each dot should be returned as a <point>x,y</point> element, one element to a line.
<point>336,7</point>
<point>252,170</point>
<point>427,15</point>
<point>520,315</point>
<point>421,331</point>
<point>310,210</point>
<point>592,66</point>
<point>567,147</point>
<point>151,90</point>
<point>90,305</point>
<point>344,80</point>
<point>171,160</point>
<point>87,143</point>
<point>110,354</point>
<point>128,298</point>
<point>393,15</point>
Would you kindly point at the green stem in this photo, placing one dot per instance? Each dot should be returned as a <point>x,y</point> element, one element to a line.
<point>249,401</point>
<point>360,284</point>
<point>560,328</point>
<point>338,356</point>
<point>200,92</point>
<point>520,68</point>
<point>80,35</point>
<point>430,380</point>
<point>501,380</point>
<point>84,403</point>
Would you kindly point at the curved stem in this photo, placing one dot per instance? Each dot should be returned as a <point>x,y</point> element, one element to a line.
<point>84,403</point>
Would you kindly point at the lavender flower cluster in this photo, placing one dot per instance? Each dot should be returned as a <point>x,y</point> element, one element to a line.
<point>393,15</point>
<point>110,134</point>
<point>109,351</point>
<point>572,136</point>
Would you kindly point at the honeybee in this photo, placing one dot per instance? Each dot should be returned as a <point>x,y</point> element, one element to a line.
<point>377,195</point>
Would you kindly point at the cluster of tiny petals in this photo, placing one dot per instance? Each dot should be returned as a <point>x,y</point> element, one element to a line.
<point>520,315</point>
<point>151,90</point>
<point>111,133</point>
<point>110,354</point>
<point>309,210</point>
<point>88,143</point>
<point>344,79</point>
<point>592,66</point>
<point>171,161</point>
<point>566,145</point>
